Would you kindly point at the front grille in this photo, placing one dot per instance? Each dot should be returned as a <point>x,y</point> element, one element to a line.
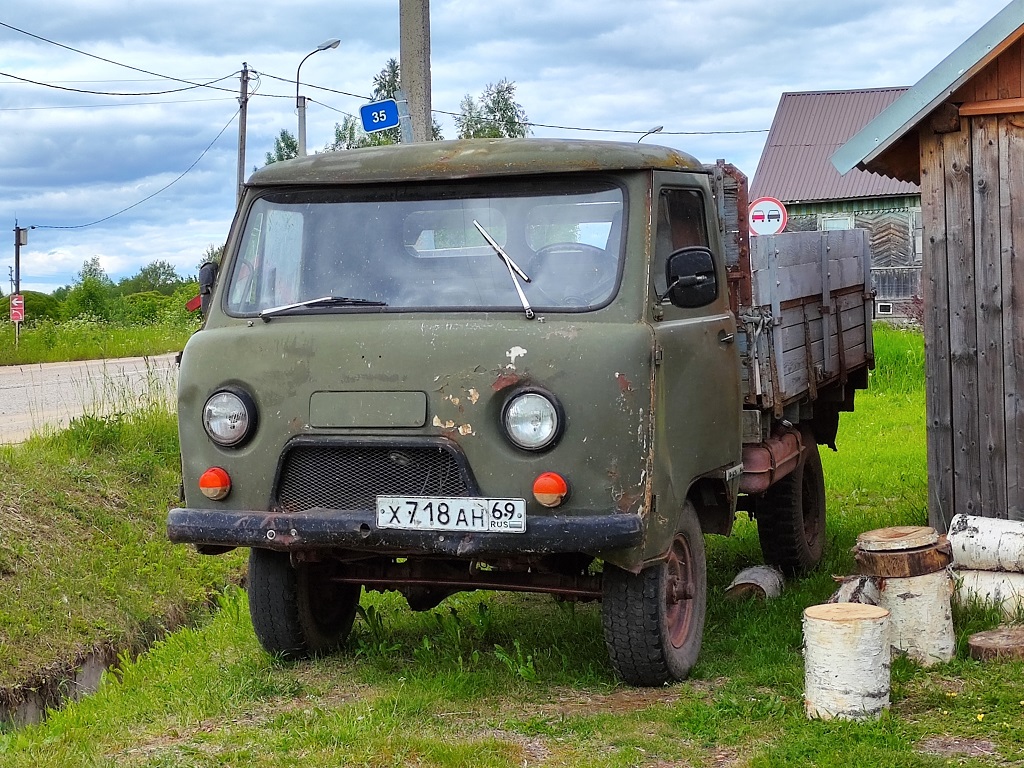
<point>350,477</point>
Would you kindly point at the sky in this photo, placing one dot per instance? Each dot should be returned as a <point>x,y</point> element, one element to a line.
<point>710,71</point>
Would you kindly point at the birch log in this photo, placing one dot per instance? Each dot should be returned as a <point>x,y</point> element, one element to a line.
<point>987,544</point>
<point>1003,590</point>
<point>909,566</point>
<point>759,581</point>
<point>846,661</point>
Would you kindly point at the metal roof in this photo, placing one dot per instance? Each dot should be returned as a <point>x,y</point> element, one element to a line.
<point>952,72</point>
<point>807,129</point>
<point>470,158</point>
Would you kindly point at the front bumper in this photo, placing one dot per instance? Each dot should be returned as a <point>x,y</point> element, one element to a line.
<point>357,530</point>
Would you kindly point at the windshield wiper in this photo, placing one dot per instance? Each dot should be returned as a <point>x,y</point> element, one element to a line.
<point>514,271</point>
<point>323,301</point>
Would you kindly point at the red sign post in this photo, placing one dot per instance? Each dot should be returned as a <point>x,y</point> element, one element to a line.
<point>17,308</point>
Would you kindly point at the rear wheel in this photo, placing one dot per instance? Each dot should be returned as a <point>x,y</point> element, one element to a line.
<point>298,611</point>
<point>791,515</point>
<point>654,620</point>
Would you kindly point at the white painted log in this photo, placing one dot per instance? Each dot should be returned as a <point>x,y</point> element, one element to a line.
<point>921,622</point>
<point>846,661</point>
<point>1003,590</point>
<point>987,544</point>
<point>856,589</point>
<point>760,581</point>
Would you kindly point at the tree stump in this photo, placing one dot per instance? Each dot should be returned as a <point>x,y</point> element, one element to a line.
<point>846,661</point>
<point>909,565</point>
<point>1001,643</point>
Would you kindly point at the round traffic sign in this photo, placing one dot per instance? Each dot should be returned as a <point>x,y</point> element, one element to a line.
<point>767,216</point>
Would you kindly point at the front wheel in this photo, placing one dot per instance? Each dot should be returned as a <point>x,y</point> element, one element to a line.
<point>791,515</point>
<point>298,611</point>
<point>654,620</point>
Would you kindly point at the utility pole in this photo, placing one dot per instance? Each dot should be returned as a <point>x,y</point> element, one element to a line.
<point>20,239</point>
<point>414,34</point>
<point>243,107</point>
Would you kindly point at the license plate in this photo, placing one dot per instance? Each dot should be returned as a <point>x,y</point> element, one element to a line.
<point>452,513</point>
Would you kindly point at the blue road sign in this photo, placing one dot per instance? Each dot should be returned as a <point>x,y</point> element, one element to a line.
<point>379,116</point>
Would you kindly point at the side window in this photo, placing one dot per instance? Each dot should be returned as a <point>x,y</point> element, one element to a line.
<point>681,222</point>
<point>267,273</point>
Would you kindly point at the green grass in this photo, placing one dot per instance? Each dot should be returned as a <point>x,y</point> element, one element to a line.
<point>511,680</point>
<point>85,564</point>
<point>50,342</point>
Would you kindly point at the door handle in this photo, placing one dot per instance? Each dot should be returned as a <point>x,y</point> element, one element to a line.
<point>724,337</point>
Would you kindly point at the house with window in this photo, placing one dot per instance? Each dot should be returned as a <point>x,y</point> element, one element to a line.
<point>795,168</point>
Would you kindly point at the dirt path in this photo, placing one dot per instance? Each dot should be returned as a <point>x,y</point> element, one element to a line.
<point>34,398</point>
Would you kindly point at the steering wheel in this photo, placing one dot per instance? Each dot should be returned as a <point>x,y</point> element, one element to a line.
<point>573,274</point>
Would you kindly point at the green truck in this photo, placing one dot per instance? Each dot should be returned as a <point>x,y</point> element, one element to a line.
<point>517,364</point>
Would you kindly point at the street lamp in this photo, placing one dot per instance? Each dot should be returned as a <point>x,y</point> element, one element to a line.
<point>300,101</point>
<point>655,129</point>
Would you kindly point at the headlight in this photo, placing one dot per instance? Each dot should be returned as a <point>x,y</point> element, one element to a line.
<point>532,421</point>
<point>229,417</point>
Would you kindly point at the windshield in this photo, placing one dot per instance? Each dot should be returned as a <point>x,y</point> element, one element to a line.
<point>497,246</point>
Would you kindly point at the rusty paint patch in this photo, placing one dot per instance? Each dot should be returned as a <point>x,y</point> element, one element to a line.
<point>474,396</point>
<point>625,386</point>
<point>449,424</point>
<point>506,380</point>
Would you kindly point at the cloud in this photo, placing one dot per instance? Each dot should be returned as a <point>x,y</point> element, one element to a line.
<point>70,158</point>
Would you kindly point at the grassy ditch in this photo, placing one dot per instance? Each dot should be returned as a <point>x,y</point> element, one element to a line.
<point>513,680</point>
<point>85,565</point>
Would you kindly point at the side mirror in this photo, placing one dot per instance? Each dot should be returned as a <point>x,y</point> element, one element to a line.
<point>690,274</point>
<point>207,279</point>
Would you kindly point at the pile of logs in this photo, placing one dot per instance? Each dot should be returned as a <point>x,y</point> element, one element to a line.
<point>988,555</point>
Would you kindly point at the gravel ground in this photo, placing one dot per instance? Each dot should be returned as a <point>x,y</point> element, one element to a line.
<point>36,398</point>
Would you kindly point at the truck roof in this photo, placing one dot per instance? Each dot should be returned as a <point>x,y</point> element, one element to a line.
<point>469,158</point>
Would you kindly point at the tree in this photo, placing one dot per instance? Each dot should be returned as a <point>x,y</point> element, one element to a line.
<point>93,270</point>
<point>159,276</point>
<point>349,133</point>
<point>212,255</point>
<point>497,114</point>
<point>286,147</point>
<point>90,296</point>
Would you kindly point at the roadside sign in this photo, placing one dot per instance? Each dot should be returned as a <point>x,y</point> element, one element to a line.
<point>379,116</point>
<point>767,216</point>
<point>17,308</point>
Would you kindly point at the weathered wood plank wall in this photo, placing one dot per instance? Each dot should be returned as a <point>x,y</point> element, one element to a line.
<point>973,202</point>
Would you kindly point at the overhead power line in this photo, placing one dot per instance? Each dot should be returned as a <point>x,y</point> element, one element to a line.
<point>99,58</point>
<point>150,196</point>
<point>113,93</point>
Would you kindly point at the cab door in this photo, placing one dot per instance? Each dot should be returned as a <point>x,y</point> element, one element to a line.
<point>697,398</point>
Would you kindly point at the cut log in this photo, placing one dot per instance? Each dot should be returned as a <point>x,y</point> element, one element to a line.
<point>1001,643</point>
<point>921,625</point>
<point>760,581</point>
<point>1003,590</point>
<point>909,565</point>
<point>987,544</point>
<point>846,661</point>
<point>898,537</point>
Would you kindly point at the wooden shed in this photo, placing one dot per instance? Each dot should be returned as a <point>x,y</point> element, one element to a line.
<point>959,133</point>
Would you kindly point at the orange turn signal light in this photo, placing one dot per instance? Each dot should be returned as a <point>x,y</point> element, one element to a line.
<point>550,489</point>
<point>215,483</point>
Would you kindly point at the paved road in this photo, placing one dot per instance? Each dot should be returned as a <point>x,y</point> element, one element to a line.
<point>36,398</point>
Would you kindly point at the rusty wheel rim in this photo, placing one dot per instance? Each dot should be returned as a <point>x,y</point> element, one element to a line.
<point>679,592</point>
